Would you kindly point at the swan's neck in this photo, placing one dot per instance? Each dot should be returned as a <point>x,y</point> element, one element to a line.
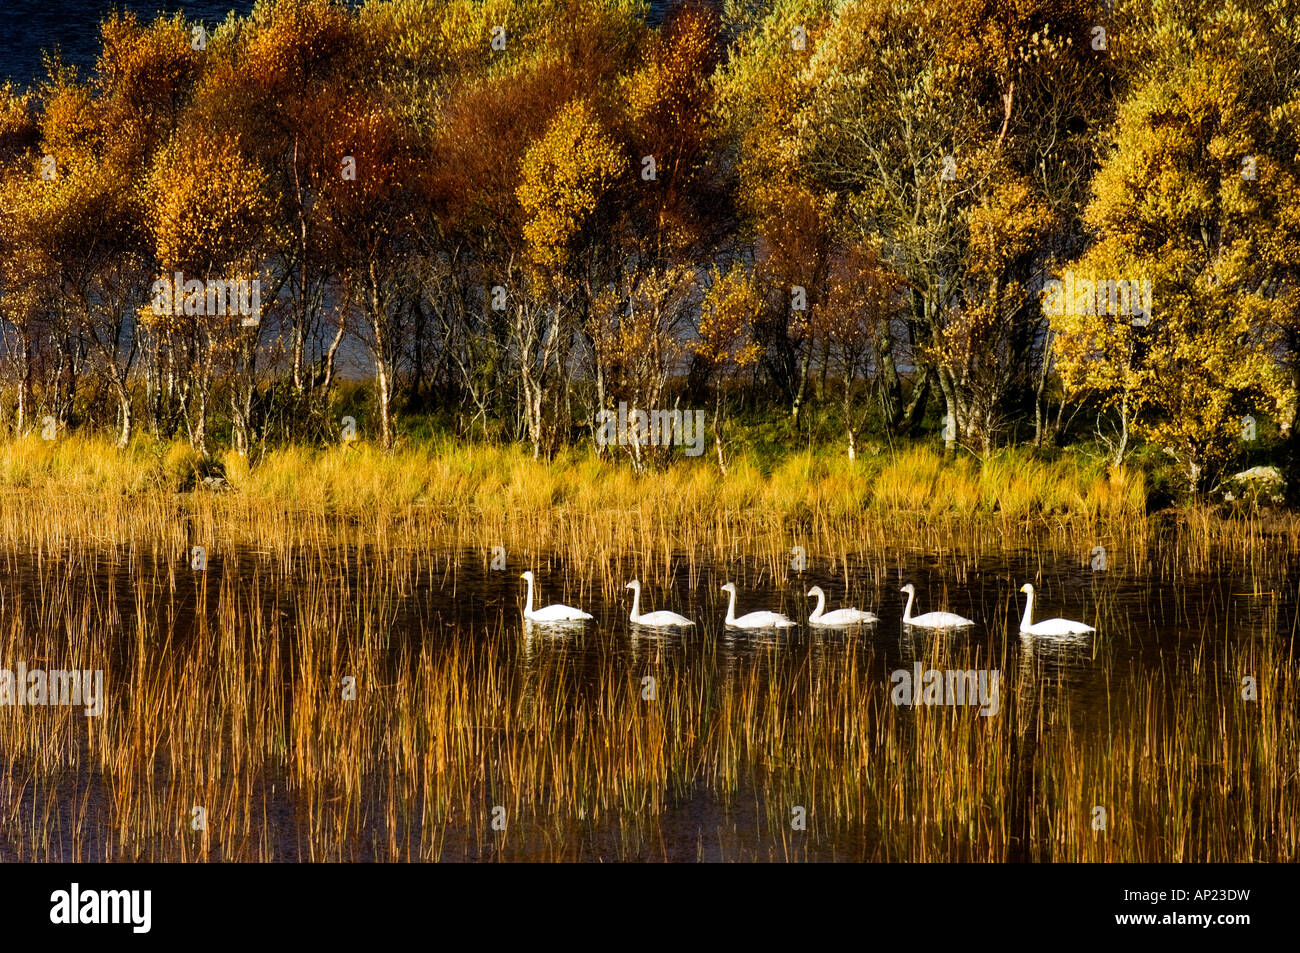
<point>907,610</point>
<point>1027,621</point>
<point>636,603</point>
<point>528,603</point>
<point>731,606</point>
<point>821,605</point>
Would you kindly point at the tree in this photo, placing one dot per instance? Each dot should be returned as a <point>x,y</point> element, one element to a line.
<point>1172,207</point>
<point>725,344</point>
<point>922,122</point>
<point>565,176</point>
<point>863,298</point>
<point>209,218</point>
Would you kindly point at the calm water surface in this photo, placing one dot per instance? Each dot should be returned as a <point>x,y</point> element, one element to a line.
<point>458,604</point>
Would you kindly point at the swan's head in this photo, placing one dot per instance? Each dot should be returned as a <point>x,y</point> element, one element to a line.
<point>634,584</point>
<point>1027,588</point>
<point>815,591</point>
<point>527,575</point>
<point>909,589</point>
<point>729,587</point>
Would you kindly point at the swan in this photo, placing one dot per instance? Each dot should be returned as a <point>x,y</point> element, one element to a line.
<point>838,618</point>
<point>753,620</point>
<point>1048,626</point>
<point>549,614</point>
<point>931,620</point>
<point>653,620</point>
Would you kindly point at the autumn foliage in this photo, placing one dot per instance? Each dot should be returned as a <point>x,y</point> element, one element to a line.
<point>509,214</point>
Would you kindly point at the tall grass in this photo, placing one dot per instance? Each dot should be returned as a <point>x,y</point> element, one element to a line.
<point>917,480</point>
<point>226,688</point>
<point>226,692</point>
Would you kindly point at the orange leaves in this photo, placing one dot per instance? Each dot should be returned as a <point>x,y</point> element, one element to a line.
<point>294,41</point>
<point>68,122</point>
<point>207,203</point>
<point>862,295</point>
<point>18,123</point>
<point>146,66</point>
<point>669,103</point>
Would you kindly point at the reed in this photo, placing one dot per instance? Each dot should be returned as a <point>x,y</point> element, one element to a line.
<point>348,678</point>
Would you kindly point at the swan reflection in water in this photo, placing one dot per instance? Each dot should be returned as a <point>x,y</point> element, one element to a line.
<point>652,644</point>
<point>1048,670</point>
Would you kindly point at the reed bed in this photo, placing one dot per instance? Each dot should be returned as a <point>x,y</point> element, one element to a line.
<point>227,690</point>
<point>348,678</point>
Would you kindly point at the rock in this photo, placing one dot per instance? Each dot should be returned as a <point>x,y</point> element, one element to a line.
<point>1256,485</point>
<point>215,483</point>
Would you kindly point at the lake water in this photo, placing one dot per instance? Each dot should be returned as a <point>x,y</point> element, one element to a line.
<point>224,690</point>
<point>27,27</point>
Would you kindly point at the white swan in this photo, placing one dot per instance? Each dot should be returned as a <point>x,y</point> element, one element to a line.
<point>753,620</point>
<point>653,620</point>
<point>839,618</point>
<point>931,620</point>
<point>549,614</point>
<point>1047,626</point>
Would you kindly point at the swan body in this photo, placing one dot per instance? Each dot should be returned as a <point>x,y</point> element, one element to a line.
<point>550,614</point>
<point>653,620</point>
<point>931,620</point>
<point>838,618</point>
<point>753,620</point>
<point>1047,626</point>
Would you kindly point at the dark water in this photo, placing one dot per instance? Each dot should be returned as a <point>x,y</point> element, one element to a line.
<point>28,27</point>
<point>451,601</point>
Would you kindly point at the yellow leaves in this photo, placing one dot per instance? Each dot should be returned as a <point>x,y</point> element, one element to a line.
<point>207,203</point>
<point>672,85</point>
<point>1008,223</point>
<point>565,174</point>
<point>758,96</point>
<point>291,40</point>
<point>85,212</point>
<point>727,316</point>
<point>18,123</point>
<point>452,38</point>
<point>146,64</point>
<point>633,328</point>
<point>1170,205</point>
<point>1196,383</point>
<point>1207,357</point>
